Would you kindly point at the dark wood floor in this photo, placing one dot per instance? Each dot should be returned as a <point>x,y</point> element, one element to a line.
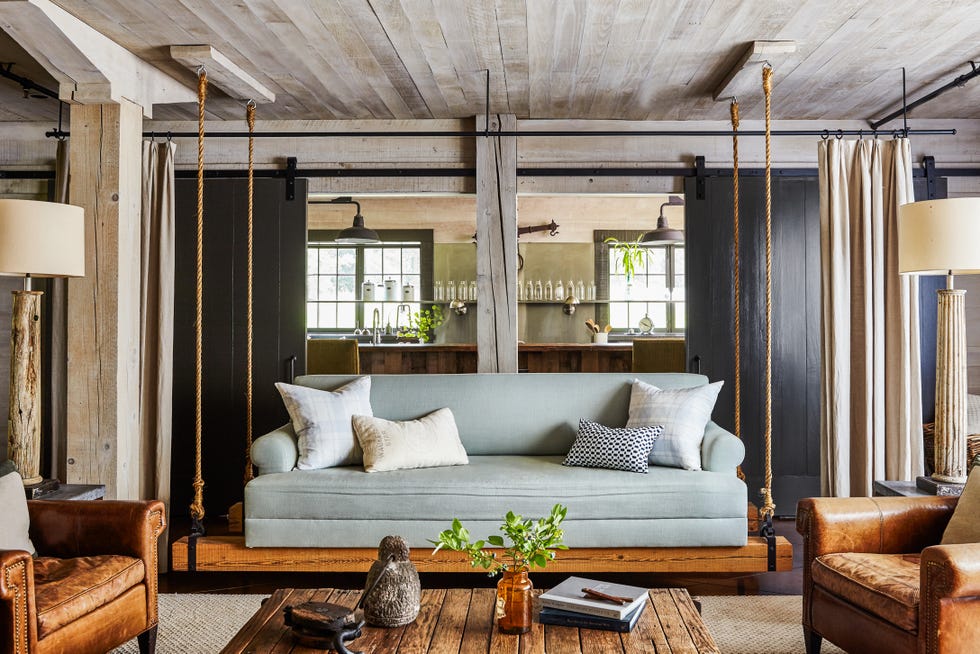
<point>765,583</point>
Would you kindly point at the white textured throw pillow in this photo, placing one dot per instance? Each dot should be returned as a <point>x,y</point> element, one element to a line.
<point>683,412</point>
<point>428,442</point>
<point>322,422</point>
<point>16,520</point>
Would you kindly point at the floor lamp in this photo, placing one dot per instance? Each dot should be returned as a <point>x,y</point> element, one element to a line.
<point>37,239</point>
<point>942,237</point>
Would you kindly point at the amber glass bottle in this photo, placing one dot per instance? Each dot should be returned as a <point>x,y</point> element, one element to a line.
<point>514,605</point>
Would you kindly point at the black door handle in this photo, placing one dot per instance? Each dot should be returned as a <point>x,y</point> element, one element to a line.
<point>696,364</point>
<point>291,366</point>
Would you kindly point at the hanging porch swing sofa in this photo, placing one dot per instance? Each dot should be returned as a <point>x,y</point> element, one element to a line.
<point>516,430</point>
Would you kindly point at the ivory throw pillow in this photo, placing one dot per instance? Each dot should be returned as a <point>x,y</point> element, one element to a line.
<point>429,442</point>
<point>17,522</point>
<point>683,413</point>
<point>598,446</point>
<point>964,526</point>
<point>322,422</point>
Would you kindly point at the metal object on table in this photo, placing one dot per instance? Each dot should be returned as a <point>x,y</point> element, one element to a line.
<point>396,600</point>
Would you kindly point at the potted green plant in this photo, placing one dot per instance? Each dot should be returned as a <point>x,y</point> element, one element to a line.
<point>629,256</point>
<point>533,543</point>
<point>422,324</point>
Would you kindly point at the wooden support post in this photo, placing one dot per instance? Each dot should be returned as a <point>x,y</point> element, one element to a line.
<point>496,246</point>
<point>103,306</point>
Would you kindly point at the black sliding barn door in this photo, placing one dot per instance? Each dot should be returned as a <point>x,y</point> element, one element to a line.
<point>279,326</point>
<point>795,323</point>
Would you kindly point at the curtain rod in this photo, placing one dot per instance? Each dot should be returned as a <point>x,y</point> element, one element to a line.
<point>823,133</point>
<point>521,172</point>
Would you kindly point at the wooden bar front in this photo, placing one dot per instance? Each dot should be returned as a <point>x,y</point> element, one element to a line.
<point>462,358</point>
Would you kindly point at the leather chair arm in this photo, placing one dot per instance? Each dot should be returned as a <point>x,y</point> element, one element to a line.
<point>68,529</point>
<point>949,609</point>
<point>17,611</point>
<point>955,567</point>
<point>885,525</point>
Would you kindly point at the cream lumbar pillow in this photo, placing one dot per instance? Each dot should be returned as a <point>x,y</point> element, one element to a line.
<point>322,422</point>
<point>430,441</point>
<point>964,526</point>
<point>17,521</point>
<point>683,412</point>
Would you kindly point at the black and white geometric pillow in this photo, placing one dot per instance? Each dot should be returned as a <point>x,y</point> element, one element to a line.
<point>597,446</point>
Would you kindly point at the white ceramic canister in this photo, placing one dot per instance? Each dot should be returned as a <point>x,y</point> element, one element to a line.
<point>367,291</point>
<point>391,290</point>
<point>408,293</point>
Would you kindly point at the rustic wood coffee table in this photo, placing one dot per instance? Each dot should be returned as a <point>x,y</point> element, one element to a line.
<point>459,620</point>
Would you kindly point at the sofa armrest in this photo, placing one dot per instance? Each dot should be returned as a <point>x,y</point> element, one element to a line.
<point>721,450</point>
<point>276,451</point>
<point>17,612</point>
<point>883,525</point>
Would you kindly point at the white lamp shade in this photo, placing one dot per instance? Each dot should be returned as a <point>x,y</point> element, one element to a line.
<point>41,239</point>
<point>939,236</point>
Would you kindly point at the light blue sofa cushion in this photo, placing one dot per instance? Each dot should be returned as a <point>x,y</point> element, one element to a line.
<point>606,508</point>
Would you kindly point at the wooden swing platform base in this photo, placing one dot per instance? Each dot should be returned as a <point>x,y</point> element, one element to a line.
<point>229,554</point>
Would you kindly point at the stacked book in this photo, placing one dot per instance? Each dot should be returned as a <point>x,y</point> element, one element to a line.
<point>590,604</point>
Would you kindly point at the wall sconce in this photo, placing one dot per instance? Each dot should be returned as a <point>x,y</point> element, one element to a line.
<point>571,302</point>
<point>663,233</point>
<point>458,307</point>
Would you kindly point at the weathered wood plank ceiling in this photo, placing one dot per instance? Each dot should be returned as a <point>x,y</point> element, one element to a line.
<point>616,59</point>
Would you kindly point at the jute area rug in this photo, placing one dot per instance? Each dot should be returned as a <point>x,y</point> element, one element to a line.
<point>765,624</point>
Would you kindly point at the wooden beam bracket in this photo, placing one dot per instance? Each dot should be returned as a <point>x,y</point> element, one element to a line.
<point>222,72</point>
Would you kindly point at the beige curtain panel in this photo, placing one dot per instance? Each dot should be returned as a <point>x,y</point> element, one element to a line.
<point>157,325</point>
<point>871,413</point>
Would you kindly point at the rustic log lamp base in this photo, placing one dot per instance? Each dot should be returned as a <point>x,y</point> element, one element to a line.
<point>24,414</point>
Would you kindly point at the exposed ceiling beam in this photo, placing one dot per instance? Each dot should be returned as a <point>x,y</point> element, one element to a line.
<point>89,67</point>
<point>222,72</point>
<point>739,80</point>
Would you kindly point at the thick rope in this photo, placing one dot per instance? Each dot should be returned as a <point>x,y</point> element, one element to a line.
<point>250,118</point>
<point>737,284</point>
<point>197,506</point>
<point>768,507</point>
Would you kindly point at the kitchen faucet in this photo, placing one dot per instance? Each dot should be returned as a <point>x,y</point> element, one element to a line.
<point>376,327</point>
<point>398,315</point>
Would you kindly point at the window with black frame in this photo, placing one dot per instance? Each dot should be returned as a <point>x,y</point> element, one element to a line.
<point>338,273</point>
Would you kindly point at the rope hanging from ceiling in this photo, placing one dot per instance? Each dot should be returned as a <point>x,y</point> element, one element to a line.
<point>197,506</point>
<point>737,283</point>
<point>250,119</point>
<point>768,507</point>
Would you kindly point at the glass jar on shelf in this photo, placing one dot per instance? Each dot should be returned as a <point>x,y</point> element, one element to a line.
<point>450,291</point>
<point>549,291</point>
<point>472,293</point>
<point>559,291</point>
<point>462,291</point>
<point>580,291</point>
<point>437,295</point>
<point>538,291</point>
<point>529,291</point>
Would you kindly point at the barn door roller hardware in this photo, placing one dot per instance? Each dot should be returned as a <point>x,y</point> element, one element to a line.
<point>958,82</point>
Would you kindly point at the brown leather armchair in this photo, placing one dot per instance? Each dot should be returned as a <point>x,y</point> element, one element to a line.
<point>875,580</point>
<point>93,585</point>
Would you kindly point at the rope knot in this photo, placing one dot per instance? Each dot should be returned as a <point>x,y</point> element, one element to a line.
<point>767,79</point>
<point>733,108</point>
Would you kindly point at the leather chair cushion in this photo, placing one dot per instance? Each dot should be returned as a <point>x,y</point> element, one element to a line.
<point>886,585</point>
<point>67,589</point>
